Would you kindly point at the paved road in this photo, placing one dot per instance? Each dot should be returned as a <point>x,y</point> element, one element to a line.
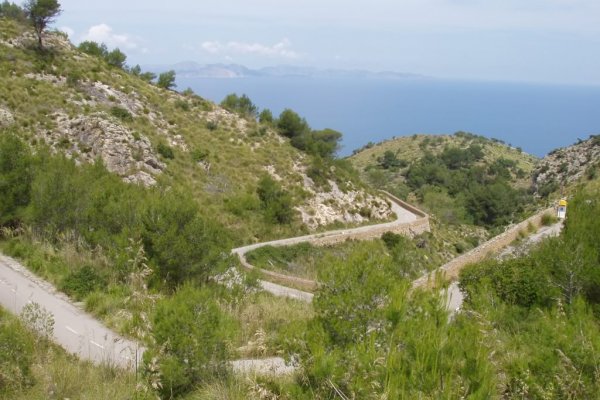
<point>454,297</point>
<point>75,330</point>
<point>402,216</point>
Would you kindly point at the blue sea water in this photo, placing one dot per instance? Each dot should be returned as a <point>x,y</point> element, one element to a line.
<point>535,117</point>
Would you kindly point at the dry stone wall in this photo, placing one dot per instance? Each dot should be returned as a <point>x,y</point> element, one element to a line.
<point>451,270</point>
<point>411,228</point>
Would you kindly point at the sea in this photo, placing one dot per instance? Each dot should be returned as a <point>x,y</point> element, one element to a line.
<point>535,117</point>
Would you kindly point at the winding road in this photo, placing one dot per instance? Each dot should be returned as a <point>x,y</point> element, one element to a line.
<point>75,330</point>
<point>81,334</point>
<point>406,218</point>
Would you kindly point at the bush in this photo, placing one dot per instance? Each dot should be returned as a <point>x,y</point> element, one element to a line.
<point>191,335</point>
<point>121,113</point>
<point>12,11</point>
<point>82,282</point>
<point>16,176</point>
<point>276,202</point>
<point>199,155</point>
<point>212,125</point>
<point>116,58</point>
<point>16,355</point>
<point>290,124</point>
<point>93,48</point>
<point>392,239</point>
<point>390,161</point>
<point>265,116</point>
<point>519,281</point>
<point>165,150</point>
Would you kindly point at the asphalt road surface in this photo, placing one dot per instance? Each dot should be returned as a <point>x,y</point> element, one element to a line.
<point>75,330</point>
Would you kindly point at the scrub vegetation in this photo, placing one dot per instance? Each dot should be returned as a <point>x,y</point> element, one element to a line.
<point>153,261</point>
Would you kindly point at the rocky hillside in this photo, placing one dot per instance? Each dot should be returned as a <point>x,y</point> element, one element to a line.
<point>79,105</point>
<point>564,166</point>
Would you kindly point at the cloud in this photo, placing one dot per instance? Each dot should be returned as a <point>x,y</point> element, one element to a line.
<point>103,33</point>
<point>281,49</point>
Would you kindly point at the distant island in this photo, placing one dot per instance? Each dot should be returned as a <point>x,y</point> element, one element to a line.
<point>192,69</point>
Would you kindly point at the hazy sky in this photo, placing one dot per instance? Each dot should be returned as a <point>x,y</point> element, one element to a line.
<point>523,40</point>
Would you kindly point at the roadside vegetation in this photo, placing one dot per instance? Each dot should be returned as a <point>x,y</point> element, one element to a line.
<point>528,328</point>
<point>154,262</point>
<point>411,257</point>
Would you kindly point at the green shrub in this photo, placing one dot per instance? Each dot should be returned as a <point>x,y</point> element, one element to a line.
<point>212,125</point>
<point>390,161</point>
<point>165,150</point>
<point>82,282</point>
<point>182,105</point>
<point>199,155</point>
<point>276,202</point>
<point>392,240</point>
<point>191,334</point>
<point>16,355</point>
<point>16,176</point>
<point>265,116</point>
<point>181,243</point>
<point>121,113</point>
<point>166,80</point>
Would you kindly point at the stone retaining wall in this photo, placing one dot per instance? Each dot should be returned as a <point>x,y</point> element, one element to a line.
<point>451,270</point>
<point>412,228</point>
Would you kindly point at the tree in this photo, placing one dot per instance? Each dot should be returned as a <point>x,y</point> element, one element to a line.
<point>12,11</point>
<point>15,178</point>
<point>148,76</point>
<point>136,71</point>
<point>191,335</point>
<point>290,124</point>
<point>93,48</point>
<point>276,202</point>
<point>41,13</point>
<point>116,58</point>
<point>390,161</point>
<point>265,116</point>
<point>240,104</point>
<point>166,80</point>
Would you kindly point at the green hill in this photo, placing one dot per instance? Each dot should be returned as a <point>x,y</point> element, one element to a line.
<point>128,197</point>
<point>460,178</point>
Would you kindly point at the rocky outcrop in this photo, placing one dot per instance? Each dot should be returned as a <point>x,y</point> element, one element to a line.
<point>6,117</point>
<point>219,116</point>
<point>101,93</point>
<point>87,138</point>
<point>566,165</point>
<point>353,206</point>
<point>329,205</point>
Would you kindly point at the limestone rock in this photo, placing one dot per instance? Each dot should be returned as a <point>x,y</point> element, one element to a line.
<point>566,165</point>
<point>87,138</point>
<point>6,117</point>
<point>220,116</point>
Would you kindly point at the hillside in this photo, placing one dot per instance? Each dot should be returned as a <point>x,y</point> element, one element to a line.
<point>81,106</point>
<point>460,179</point>
<point>128,197</point>
<point>563,168</point>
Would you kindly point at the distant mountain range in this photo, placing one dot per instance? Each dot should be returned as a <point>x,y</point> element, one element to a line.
<point>191,69</point>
